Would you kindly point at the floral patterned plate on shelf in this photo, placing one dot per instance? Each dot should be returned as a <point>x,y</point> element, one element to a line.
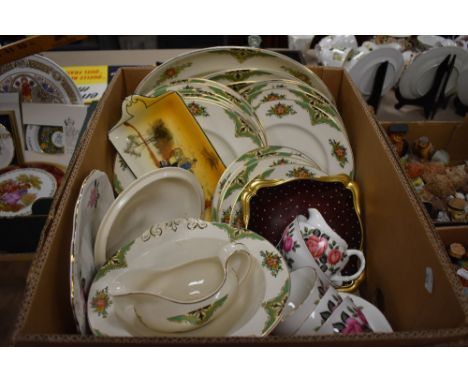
<point>38,80</point>
<point>310,130</point>
<point>205,61</point>
<point>20,188</point>
<point>7,148</point>
<point>94,199</point>
<point>255,310</point>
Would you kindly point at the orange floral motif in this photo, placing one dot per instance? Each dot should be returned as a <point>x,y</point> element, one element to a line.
<point>100,302</point>
<point>339,152</point>
<point>272,262</point>
<point>280,110</point>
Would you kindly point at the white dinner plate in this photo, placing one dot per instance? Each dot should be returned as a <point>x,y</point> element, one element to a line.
<point>418,77</point>
<point>364,70</point>
<point>204,61</point>
<point>308,129</point>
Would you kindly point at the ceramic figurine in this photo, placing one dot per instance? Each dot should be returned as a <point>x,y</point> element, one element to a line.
<point>443,217</point>
<point>457,251</point>
<point>397,134</point>
<point>456,209</point>
<point>441,156</point>
<point>423,148</point>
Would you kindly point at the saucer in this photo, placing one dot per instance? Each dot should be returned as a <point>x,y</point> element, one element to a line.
<point>255,310</point>
<point>93,201</point>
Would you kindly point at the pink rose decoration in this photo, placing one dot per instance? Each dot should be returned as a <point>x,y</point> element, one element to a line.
<point>334,256</point>
<point>352,326</point>
<point>288,243</point>
<point>317,246</point>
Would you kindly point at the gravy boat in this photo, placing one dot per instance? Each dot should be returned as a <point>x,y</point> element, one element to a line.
<point>185,297</point>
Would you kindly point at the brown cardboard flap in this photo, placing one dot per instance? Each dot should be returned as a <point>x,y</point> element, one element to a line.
<point>458,145</point>
<point>400,243</point>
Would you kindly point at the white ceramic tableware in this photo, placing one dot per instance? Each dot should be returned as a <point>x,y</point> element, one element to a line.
<point>7,148</point>
<point>338,41</point>
<point>317,316</point>
<point>347,318</point>
<point>255,310</point>
<point>311,242</point>
<point>376,319</point>
<point>185,297</point>
<point>247,160</point>
<point>241,77</point>
<point>309,129</point>
<point>308,288</point>
<point>363,67</point>
<point>205,61</point>
<point>418,77</point>
<point>160,195</point>
<point>335,57</point>
<point>92,203</point>
<point>431,41</point>
<point>20,188</point>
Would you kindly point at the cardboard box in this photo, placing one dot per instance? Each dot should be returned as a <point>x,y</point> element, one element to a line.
<point>401,247</point>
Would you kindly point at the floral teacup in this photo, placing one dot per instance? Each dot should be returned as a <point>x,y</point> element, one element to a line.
<point>311,242</point>
<point>347,318</point>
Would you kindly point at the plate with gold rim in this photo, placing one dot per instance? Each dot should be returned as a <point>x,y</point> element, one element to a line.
<point>205,61</point>
<point>278,90</point>
<point>229,133</point>
<point>252,156</point>
<point>40,80</point>
<point>281,170</point>
<point>202,86</point>
<point>261,169</point>
<point>255,310</point>
<point>92,203</point>
<point>310,130</point>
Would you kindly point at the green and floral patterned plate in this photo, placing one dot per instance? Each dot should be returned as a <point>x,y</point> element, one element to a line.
<point>201,62</point>
<point>310,130</point>
<point>201,87</point>
<point>255,310</point>
<point>240,78</point>
<point>20,188</point>
<point>268,169</point>
<point>281,90</point>
<point>228,132</point>
<point>250,161</point>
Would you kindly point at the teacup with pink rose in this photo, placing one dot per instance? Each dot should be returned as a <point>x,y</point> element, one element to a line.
<point>311,242</point>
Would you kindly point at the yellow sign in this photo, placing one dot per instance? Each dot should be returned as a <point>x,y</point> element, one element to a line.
<point>91,80</point>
